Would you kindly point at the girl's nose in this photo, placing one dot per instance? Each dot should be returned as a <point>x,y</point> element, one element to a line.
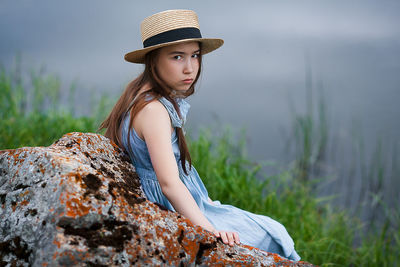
<point>188,66</point>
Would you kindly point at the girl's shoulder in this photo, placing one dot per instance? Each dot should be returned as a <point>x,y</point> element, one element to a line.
<point>160,109</point>
<point>152,116</point>
<point>153,111</point>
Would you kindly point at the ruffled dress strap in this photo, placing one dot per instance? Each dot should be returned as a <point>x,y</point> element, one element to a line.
<point>176,120</point>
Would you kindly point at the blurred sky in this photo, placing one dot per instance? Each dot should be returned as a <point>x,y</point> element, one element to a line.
<point>352,48</point>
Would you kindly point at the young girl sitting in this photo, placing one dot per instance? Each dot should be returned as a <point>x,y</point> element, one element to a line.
<point>148,121</point>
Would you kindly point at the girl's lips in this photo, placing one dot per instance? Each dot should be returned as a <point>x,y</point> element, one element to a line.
<point>188,81</point>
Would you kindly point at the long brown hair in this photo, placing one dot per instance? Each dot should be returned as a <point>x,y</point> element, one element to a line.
<point>133,102</point>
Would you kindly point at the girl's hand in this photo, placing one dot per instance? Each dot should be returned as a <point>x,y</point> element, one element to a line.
<point>228,237</point>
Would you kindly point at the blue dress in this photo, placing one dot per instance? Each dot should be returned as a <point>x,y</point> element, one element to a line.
<point>255,230</point>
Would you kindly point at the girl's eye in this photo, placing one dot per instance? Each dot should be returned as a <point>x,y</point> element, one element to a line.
<point>177,57</point>
<point>195,55</point>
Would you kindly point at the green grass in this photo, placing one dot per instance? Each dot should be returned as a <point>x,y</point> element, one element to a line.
<point>33,115</point>
<point>32,111</point>
<point>38,129</point>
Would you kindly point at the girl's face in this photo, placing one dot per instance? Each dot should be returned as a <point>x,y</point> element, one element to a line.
<point>178,65</point>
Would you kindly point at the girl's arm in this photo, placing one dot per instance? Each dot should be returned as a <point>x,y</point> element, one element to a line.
<point>153,124</point>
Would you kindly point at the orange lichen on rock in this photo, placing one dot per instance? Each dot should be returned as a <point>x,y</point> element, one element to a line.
<point>24,202</point>
<point>24,193</point>
<point>88,209</point>
<point>78,178</point>
<point>57,243</point>
<point>75,207</point>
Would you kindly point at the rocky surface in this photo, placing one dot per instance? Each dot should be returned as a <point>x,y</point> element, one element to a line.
<point>79,202</point>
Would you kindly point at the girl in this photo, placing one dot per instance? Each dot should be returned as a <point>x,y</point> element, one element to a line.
<point>148,120</point>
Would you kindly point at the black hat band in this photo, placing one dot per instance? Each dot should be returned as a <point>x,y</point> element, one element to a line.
<point>172,35</point>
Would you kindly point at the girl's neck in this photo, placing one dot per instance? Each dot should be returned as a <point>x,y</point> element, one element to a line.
<point>174,94</point>
<point>144,88</point>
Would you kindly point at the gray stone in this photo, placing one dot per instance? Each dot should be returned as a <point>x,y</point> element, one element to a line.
<point>79,202</point>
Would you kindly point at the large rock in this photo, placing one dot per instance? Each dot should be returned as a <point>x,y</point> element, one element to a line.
<point>79,202</point>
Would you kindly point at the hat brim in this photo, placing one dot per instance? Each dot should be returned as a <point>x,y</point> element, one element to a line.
<point>207,45</point>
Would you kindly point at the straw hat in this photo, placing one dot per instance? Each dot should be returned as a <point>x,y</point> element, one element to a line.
<point>171,27</point>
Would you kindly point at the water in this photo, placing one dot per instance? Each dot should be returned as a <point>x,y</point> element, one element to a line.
<point>353,50</point>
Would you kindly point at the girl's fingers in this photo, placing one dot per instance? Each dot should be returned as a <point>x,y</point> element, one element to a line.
<point>236,237</point>
<point>216,233</point>
<point>230,238</point>
<point>224,237</point>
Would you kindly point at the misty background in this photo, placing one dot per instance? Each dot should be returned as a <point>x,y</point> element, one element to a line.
<point>274,52</point>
